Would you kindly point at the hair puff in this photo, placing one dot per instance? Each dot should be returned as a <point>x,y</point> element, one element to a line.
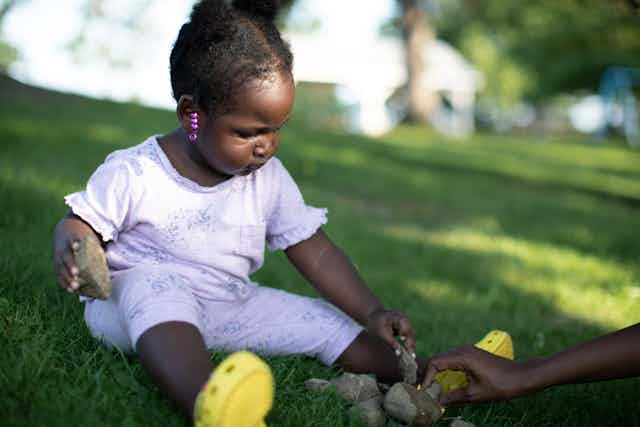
<point>223,46</point>
<point>267,9</point>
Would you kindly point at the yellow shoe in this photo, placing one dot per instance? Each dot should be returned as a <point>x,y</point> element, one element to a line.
<point>239,393</point>
<point>496,342</point>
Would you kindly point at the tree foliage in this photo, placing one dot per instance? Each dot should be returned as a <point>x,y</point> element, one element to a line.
<point>537,48</point>
<point>8,54</point>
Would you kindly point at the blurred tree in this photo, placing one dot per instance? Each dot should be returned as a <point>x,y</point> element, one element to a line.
<point>8,54</point>
<point>5,7</point>
<point>90,43</point>
<point>538,48</point>
<point>505,81</point>
<point>417,34</point>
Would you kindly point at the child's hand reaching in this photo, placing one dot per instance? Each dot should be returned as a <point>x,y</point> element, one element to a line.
<point>389,324</point>
<point>330,271</point>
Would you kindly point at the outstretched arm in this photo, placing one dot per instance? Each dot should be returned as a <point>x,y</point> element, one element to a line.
<point>333,275</point>
<point>611,356</point>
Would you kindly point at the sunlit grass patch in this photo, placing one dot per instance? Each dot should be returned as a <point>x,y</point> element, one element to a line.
<point>578,285</point>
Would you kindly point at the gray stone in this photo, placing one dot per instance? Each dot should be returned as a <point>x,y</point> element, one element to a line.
<point>460,423</point>
<point>93,273</point>
<point>410,406</point>
<point>370,411</point>
<point>434,390</point>
<point>408,367</point>
<point>356,388</point>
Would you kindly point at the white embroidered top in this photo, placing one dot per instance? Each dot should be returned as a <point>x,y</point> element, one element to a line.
<point>215,236</point>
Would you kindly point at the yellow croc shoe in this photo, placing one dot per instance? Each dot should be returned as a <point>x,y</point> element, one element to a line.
<point>496,342</point>
<point>239,393</point>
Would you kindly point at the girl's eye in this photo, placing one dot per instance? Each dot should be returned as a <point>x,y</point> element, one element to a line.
<point>245,134</point>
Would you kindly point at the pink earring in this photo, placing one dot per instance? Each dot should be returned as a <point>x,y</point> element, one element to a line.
<point>193,135</point>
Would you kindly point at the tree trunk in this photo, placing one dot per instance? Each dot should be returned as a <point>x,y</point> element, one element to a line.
<point>417,35</point>
<point>5,7</point>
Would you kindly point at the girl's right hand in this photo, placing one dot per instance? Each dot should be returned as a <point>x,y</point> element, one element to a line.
<point>68,234</point>
<point>63,254</point>
<point>389,324</point>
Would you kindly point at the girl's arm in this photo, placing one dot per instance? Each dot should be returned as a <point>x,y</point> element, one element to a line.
<point>68,232</point>
<point>333,275</point>
<point>611,356</point>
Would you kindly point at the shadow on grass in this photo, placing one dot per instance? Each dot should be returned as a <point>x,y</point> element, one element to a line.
<point>592,221</point>
<point>453,295</point>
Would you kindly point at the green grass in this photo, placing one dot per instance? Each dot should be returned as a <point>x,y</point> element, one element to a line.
<point>535,236</point>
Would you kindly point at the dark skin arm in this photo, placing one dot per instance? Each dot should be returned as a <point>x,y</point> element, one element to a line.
<point>68,232</point>
<point>333,275</point>
<point>616,355</point>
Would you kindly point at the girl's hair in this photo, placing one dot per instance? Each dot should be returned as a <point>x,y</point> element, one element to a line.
<point>222,47</point>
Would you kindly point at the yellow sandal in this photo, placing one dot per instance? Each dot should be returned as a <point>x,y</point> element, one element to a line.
<point>496,342</point>
<point>239,393</point>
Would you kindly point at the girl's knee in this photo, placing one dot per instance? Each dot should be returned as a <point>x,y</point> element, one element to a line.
<point>104,322</point>
<point>149,297</point>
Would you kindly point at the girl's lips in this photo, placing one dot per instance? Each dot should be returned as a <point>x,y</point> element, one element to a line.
<point>251,168</point>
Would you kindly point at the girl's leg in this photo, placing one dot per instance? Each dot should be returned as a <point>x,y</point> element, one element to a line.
<point>369,354</point>
<point>276,322</point>
<point>176,358</point>
<point>153,312</point>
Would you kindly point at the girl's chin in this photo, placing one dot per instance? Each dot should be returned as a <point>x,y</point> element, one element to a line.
<point>244,172</point>
<point>248,170</point>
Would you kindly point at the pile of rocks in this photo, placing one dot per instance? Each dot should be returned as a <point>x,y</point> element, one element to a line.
<point>379,405</point>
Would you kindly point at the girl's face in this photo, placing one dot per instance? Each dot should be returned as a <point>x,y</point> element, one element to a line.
<point>241,141</point>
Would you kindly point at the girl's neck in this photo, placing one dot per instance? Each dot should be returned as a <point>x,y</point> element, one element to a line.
<point>187,160</point>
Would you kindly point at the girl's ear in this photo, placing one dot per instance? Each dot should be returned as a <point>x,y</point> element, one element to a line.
<point>184,109</point>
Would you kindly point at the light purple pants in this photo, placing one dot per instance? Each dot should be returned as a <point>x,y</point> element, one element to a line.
<point>269,322</point>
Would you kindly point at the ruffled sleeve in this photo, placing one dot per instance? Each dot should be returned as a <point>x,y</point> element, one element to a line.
<point>290,220</point>
<point>106,203</point>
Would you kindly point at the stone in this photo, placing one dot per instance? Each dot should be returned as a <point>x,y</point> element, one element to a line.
<point>370,412</point>
<point>356,388</point>
<point>460,423</point>
<point>407,404</point>
<point>408,367</point>
<point>316,384</point>
<point>384,388</point>
<point>434,390</point>
<point>93,274</point>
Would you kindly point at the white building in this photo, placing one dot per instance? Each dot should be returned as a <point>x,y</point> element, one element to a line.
<point>367,75</point>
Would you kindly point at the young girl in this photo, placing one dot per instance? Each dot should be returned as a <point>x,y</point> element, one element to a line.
<point>184,218</point>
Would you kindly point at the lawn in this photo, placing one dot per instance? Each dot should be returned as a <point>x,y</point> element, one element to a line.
<point>536,236</point>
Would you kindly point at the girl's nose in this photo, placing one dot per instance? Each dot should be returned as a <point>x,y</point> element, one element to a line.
<point>260,148</point>
<point>265,145</point>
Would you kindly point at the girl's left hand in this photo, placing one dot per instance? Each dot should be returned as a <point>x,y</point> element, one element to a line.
<point>389,324</point>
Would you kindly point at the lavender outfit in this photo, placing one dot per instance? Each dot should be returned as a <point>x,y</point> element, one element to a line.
<point>179,251</point>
